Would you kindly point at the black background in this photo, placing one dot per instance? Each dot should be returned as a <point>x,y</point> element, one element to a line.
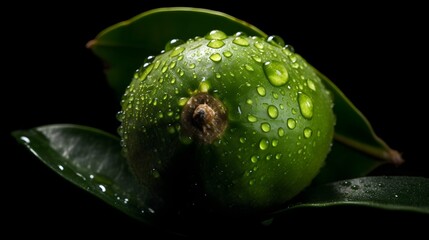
<point>375,54</point>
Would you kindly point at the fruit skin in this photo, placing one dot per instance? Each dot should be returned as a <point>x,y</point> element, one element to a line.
<point>278,130</point>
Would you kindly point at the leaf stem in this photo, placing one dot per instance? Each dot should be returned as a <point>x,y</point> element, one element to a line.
<point>386,153</point>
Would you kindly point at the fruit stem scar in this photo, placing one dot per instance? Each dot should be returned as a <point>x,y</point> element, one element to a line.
<point>204,118</point>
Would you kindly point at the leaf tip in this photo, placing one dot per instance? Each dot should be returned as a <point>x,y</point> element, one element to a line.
<point>91,43</point>
<point>17,135</point>
<point>394,157</point>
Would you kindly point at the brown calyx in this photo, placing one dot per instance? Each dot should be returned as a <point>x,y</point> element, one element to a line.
<point>204,118</point>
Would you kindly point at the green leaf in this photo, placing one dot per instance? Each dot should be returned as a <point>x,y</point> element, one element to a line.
<point>92,160</point>
<point>356,150</point>
<point>124,46</point>
<point>402,193</point>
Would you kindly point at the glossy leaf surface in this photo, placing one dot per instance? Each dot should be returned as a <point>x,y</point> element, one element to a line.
<point>124,46</point>
<point>92,160</point>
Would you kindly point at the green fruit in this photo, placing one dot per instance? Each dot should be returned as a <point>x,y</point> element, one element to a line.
<point>237,122</point>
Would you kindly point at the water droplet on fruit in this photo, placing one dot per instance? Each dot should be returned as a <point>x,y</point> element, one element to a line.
<point>276,40</point>
<point>251,118</point>
<point>305,105</point>
<point>266,127</point>
<point>147,68</point>
<point>241,41</point>
<point>263,144</point>
<point>156,64</point>
<point>311,85</point>
<point>182,101</point>
<point>261,91</point>
<point>281,132</point>
<point>289,48</point>
<point>276,96</point>
<point>227,54</point>
<point>149,59</point>
<point>274,143</point>
<point>291,123</point>
<point>276,73</point>
<point>257,58</point>
<point>204,86</point>
<point>120,116</point>
<point>177,51</point>
<point>273,112</point>
<point>172,64</point>
<point>249,68</point>
<point>258,45</point>
<point>216,57</point>
<point>173,43</point>
<point>240,34</point>
<point>216,35</point>
<point>308,132</point>
<point>216,44</point>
